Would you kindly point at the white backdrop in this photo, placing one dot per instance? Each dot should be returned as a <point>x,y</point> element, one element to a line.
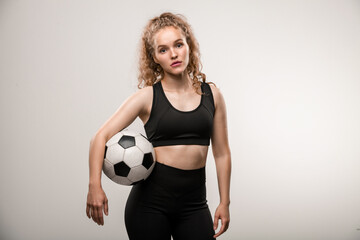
<point>289,72</point>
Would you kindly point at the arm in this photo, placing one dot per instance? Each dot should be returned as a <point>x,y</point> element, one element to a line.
<point>222,156</point>
<point>132,107</point>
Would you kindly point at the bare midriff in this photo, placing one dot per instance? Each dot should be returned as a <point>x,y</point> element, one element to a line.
<point>184,157</point>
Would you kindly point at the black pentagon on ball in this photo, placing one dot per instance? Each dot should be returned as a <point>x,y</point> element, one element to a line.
<point>127,141</point>
<point>121,169</point>
<point>148,160</point>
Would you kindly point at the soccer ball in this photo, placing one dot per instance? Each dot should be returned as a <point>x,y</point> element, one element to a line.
<point>129,158</point>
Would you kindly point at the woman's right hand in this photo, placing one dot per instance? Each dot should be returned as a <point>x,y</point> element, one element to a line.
<point>96,202</point>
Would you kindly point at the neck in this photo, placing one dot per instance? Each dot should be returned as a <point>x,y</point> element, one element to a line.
<point>181,82</point>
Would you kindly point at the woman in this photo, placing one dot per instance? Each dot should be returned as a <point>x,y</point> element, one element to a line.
<point>181,113</point>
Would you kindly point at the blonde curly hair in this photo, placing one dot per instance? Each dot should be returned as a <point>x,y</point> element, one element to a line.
<point>151,72</point>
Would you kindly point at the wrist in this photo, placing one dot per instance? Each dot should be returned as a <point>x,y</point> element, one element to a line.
<point>225,203</point>
<point>94,184</point>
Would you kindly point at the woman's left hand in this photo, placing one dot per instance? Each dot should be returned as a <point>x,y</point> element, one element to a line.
<point>222,212</point>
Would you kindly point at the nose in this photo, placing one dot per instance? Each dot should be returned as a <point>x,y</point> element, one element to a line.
<point>173,53</point>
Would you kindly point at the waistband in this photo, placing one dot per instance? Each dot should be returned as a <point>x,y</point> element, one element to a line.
<point>178,170</point>
<point>172,177</point>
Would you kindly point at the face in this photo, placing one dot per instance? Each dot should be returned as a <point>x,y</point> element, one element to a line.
<point>170,46</point>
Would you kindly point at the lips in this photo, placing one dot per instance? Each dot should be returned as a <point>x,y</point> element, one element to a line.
<point>175,63</point>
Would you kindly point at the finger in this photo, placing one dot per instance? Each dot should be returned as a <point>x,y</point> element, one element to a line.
<point>224,226</point>
<point>94,214</point>
<point>106,207</point>
<point>88,210</point>
<point>100,215</point>
<point>220,232</point>
<point>227,222</point>
<point>216,220</point>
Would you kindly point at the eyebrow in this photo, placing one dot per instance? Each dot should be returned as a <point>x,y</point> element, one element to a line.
<point>174,42</point>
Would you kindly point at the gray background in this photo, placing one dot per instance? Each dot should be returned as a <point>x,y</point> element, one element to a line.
<point>289,72</point>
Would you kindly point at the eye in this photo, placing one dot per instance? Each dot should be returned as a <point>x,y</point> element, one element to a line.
<point>162,50</point>
<point>179,44</point>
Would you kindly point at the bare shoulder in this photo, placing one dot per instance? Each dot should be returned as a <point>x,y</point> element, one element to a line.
<point>147,90</point>
<point>218,97</point>
<point>143,94</point>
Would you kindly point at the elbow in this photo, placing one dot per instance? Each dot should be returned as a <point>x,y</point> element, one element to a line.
<point>223,158</point>
<point>97,136</point>
<point>93,139</point>
<point>222,152</point>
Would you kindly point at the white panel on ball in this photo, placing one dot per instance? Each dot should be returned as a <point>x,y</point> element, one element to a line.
<point>121,180</point>
<point>128,132</point>
<point>115,153</point>
<point>108,168</point>
<point>133,156</point>
<point>137,173</point>
<point>143,144</point>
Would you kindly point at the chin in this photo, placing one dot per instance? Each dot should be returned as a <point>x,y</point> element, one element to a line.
<point>178,73</point>
<point>179,70</point>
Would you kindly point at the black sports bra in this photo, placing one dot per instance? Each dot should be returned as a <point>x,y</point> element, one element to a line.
<point>170,126</point>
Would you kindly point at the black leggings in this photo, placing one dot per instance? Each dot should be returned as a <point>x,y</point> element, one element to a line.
<point>171,202</point>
